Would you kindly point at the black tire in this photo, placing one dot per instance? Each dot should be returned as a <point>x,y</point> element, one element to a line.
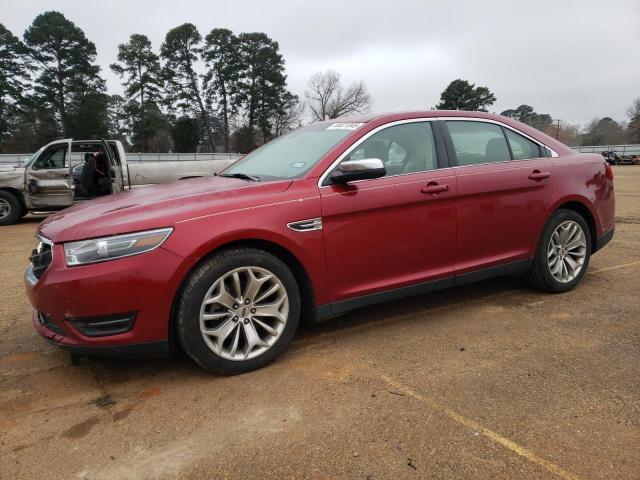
<point>16,211</point>
<point>539,276</point>
<point>193,294</point>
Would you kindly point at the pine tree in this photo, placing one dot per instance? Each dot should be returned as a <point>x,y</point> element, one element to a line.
<point>119,120</point>
<point>139,67</point>
<point>462,95</point>
<point>221,54</point>
<point>263,83</point>
<point>13,83</point>
<point>181,50</point>
<point>65,63</point>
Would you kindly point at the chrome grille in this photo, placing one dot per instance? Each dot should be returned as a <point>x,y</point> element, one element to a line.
<point>41,257</point>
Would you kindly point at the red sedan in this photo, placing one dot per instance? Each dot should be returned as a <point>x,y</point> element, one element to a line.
<point>325,219</point>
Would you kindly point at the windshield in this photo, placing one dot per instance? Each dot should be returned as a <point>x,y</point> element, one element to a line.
<point>293,154</point>
<point>33,157</point>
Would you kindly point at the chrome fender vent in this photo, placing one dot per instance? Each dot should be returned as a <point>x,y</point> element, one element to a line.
<point>306,225</point>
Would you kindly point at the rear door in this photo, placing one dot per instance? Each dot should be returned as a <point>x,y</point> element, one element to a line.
<point>48,182</point>
<point>395,231</point>
<point>504,189</point>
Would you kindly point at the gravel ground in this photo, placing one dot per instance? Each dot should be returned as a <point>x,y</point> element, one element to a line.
<point>492,380</point>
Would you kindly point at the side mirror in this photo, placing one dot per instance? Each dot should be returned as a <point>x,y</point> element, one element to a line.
<point>353,170</point>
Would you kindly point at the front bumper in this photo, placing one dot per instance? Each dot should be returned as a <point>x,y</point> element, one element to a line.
<point>144,285</point>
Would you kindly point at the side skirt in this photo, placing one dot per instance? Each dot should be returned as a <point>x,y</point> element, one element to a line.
<point>334,309</point>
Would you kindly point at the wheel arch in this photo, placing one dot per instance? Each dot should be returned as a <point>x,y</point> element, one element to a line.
<point>18,194</point>
<point>585,212</point>
<point>307,295</point>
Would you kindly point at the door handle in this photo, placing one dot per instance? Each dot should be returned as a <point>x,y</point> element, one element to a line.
<point>538,175</point>
<point>433,188</point>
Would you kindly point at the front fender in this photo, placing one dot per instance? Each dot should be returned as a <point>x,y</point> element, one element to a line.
<point>199,237</point>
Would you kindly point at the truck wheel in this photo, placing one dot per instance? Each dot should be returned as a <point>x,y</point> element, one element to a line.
<point>563,253</point>
<point>10,208</point>
<point>238,311</point>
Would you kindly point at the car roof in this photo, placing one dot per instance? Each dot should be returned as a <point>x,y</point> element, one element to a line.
<point>381,118</point>
<point>390,116</point>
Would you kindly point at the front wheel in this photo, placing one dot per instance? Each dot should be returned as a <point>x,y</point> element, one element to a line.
<point>238,311</point>
<point>563,253</point>
<point>10,208</point>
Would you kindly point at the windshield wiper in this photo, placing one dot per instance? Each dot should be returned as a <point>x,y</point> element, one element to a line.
<point>243,176</point>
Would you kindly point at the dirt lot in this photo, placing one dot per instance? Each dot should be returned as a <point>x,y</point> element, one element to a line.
<point>488,381</point>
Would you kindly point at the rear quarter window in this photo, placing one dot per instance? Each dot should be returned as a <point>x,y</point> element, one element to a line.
<point>521,147</point>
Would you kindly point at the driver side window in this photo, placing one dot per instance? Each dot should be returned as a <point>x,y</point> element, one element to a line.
<point>52,158</point>
<point>405,148</point>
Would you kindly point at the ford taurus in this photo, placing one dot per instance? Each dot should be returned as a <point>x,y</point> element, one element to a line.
<point>328,218</point>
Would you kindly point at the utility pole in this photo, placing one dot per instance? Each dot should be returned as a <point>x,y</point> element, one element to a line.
<point>557,128</point>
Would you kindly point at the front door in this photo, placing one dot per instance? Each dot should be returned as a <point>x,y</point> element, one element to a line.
<point>48,182</point>
<point>504,190</point>
<point>395,231</point>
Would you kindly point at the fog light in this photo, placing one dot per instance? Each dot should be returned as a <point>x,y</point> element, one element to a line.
<point>103,326</point>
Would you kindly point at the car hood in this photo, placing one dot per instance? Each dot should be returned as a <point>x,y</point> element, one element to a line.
<point>156,206</point>
<point>11,170</point>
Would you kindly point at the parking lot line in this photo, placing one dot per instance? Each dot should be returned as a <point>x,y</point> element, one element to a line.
<point>615,267</point>
<point>484,431</point>
<point>626,242</point>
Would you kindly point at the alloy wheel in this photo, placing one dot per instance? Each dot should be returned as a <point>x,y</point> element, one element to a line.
<point>567,251</point>
<point>244,313</point>
<point>5,208</point>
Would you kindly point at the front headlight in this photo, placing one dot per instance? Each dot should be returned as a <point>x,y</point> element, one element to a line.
<point>109,248</point>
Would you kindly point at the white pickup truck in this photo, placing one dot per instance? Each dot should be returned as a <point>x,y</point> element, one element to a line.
<point>68,171</point>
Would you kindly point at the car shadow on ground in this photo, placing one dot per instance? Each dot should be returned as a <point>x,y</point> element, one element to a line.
<point>33,218</point>
<point>112,370</point>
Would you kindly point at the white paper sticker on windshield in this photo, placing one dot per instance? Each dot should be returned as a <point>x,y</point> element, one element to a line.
<point>344,126</point>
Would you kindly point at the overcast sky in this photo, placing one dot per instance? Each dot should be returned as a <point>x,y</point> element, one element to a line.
<point>575,60</point>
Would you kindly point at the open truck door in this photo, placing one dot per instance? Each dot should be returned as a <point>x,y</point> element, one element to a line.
<point>115,166</point>
<point>48,183</point>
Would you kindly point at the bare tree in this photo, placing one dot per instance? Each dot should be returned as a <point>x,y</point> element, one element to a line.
<point>289,116</point>
<point>327,97</point>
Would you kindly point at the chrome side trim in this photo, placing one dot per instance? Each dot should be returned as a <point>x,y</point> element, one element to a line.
<point>42,239</point>
<point>328,171</point>
<point>29,277</point>
<point>306,225</point>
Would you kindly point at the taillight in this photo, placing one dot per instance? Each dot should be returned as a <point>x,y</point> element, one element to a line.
<point>609,170</point>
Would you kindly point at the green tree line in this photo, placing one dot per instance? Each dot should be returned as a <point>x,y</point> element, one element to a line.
<point>463,95</point>
<point>220,92</point>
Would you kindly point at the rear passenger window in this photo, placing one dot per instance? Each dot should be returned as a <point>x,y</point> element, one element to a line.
<point>521,147</point>
<point>478,142</point>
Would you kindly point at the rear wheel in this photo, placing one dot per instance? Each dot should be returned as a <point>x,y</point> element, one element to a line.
<point>10,208</point>
<point>238,311</point>
<point>563,253</point>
